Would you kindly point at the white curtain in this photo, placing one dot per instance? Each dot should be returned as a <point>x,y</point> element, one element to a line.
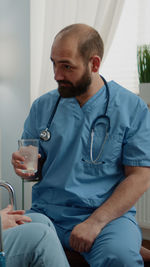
<point>50,16</point>
<point>133,29</point>
<point>144,22</point>
<point>107,19</point>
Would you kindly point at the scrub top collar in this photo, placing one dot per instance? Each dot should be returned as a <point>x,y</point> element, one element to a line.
<point>73,104</point>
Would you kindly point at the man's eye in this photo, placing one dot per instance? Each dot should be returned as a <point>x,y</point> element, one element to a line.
<point>68,67</point>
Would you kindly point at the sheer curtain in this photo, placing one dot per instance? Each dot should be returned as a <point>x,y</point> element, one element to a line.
<point>121,61</point>
<point>49,16</point>
<point>144,22</point>
<point>133,29</point>
<point>107,19</point>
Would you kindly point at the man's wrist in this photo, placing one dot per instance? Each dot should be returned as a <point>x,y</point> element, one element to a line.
<point>98,221</point>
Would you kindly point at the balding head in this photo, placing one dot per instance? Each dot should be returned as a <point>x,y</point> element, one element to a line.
<point>89,41</point>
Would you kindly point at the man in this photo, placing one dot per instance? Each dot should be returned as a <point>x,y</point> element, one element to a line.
<point>97,159</point>
<point>30,244</point>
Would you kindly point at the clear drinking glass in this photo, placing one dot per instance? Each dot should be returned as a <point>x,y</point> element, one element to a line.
<point>28,148</point>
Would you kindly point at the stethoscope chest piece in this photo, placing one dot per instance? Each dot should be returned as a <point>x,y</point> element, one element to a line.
<point>45,135</point>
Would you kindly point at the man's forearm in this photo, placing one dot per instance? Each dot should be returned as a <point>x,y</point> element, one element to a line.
<point>124,197</point>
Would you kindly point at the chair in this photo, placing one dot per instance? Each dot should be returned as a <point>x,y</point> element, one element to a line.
<point>75,259</point>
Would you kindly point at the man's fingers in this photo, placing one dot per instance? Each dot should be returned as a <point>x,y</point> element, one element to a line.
<point>80,245</point>
<point>16,157</point>
<point>19,165</point>
<point>24,175</point>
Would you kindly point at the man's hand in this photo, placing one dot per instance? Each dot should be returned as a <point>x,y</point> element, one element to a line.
<point>18,164</point>
<point>11,218</point>
<point>126,194</point>
<point>83,235</point>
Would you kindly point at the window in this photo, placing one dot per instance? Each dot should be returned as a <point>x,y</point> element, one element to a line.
<point>121,61</point>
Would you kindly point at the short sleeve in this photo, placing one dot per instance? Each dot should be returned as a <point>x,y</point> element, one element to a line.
<point>136,147</point>
<point>30,123</point>
<point>30,126</point>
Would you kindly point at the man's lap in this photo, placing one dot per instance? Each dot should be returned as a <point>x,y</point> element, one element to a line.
<point>120,239</point>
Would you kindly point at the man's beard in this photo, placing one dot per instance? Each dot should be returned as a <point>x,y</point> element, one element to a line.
<point>67,89</point>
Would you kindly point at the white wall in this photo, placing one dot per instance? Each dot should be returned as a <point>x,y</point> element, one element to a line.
<point>14,83</point>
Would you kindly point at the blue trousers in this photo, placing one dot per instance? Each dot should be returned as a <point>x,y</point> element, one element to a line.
<point>118,245</point>
<point>34,244</point>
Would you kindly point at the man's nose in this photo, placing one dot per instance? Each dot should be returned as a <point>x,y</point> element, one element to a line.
<point>58,75</point>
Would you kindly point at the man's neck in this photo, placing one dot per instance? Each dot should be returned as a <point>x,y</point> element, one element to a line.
<point>95,86</point>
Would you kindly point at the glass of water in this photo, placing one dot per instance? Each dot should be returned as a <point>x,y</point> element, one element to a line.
<point>28,148</point>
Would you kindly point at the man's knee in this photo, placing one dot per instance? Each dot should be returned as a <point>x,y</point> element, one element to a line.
<point>120,255</point>
<point>117,245</point>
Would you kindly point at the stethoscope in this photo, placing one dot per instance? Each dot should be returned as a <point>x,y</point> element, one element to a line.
<point>45,135</point>
<point>107,129</point>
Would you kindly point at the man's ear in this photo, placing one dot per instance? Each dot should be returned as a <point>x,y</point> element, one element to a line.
<point>95,60</point>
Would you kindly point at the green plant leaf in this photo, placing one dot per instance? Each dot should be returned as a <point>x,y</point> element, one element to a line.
<point>143,60</point>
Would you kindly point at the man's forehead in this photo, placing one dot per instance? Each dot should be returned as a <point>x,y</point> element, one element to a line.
<point>67,46</point>
<point>67,40</point>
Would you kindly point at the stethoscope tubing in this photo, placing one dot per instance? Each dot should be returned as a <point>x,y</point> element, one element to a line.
<point>45,135</point>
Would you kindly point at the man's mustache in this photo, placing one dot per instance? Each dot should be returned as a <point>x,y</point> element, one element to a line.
<point>64,82</point>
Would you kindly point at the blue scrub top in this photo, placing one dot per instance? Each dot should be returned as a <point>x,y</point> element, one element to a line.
<point>72,186</point>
